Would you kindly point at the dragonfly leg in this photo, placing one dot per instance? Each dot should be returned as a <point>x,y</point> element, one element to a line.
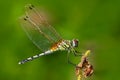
<point>77,53</point>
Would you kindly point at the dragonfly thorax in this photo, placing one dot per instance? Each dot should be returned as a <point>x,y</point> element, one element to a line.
<point>65,45</point>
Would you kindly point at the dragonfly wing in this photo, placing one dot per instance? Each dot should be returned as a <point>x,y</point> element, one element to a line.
<point>38,30</point>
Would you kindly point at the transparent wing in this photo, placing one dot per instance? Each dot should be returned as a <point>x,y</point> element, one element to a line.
<point>38,30</point>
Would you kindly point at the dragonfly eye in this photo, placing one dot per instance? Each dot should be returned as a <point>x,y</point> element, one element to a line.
<point>75,43</point>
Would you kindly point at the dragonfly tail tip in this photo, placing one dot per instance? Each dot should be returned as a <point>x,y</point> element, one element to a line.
<point>20,63</point>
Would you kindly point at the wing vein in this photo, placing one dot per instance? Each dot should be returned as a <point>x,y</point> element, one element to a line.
<point>35,25</point>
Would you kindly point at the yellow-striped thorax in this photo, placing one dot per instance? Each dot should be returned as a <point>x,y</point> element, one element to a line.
<point>64,45</point>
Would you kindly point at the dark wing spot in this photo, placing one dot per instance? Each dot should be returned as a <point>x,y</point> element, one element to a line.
<point>31,6</point>
<point>25,19</point>
<point>26,16</point>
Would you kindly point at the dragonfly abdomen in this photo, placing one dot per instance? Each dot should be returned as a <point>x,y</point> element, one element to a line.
<point>35,56</point>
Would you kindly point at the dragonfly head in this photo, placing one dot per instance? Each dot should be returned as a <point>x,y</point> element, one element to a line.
<point>75,42</point>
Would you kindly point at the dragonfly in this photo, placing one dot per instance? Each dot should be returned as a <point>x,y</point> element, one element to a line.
<point>43,35</point>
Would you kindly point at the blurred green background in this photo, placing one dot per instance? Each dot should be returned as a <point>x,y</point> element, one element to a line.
<point>96,23</point>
